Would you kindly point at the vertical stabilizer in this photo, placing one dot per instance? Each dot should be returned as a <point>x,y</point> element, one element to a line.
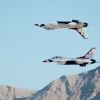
<point>89,54</point>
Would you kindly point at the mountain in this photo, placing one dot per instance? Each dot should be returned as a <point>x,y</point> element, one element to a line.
<point>83,86</point>
<point>12,93</point>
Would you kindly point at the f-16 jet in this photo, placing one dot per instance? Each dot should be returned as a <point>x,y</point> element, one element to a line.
<point>74,25</point>
<point>81,61</point>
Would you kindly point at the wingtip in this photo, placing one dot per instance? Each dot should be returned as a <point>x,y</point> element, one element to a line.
<point>94,48</point>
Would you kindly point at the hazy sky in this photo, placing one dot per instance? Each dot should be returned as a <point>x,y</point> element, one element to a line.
<point>24,46</point>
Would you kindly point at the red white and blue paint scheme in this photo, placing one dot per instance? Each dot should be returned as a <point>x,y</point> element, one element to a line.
<point>81,61</point>
<point>74,25</point>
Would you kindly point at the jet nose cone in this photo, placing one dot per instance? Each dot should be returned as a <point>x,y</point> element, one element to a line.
<point>44,61</point>
<point>36,24</point>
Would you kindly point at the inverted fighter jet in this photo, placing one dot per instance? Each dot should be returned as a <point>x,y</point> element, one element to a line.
<point>81,61</point>
<point>74,25</point>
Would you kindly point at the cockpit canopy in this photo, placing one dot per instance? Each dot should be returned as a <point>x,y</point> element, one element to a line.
<point>55,57</point>
<point>53,23</point>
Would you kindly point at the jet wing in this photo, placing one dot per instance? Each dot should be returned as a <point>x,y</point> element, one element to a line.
<point>82,32</point>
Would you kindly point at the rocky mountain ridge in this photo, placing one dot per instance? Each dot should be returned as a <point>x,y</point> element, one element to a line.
<point>83,86</point>
<point>11,93</point>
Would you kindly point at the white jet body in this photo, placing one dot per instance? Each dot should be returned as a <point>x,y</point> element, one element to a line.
<point>74,24</point>
<point>81,61</point>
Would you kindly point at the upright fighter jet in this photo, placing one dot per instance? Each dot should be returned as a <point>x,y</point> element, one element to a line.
<point>74,25</point>
<point>81,61</point>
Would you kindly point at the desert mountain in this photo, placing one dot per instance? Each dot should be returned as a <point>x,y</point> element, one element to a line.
<point>11,93</point>
<point>83,86</point>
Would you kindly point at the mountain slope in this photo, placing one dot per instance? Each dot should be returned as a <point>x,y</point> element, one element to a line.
<point>11,93</point>
<point>84,86</point>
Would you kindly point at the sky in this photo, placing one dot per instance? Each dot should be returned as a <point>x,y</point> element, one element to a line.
<point>24,46</point>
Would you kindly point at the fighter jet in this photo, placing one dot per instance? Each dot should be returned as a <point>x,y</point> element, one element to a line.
<point>74,25</point>
<point>81,61</point>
